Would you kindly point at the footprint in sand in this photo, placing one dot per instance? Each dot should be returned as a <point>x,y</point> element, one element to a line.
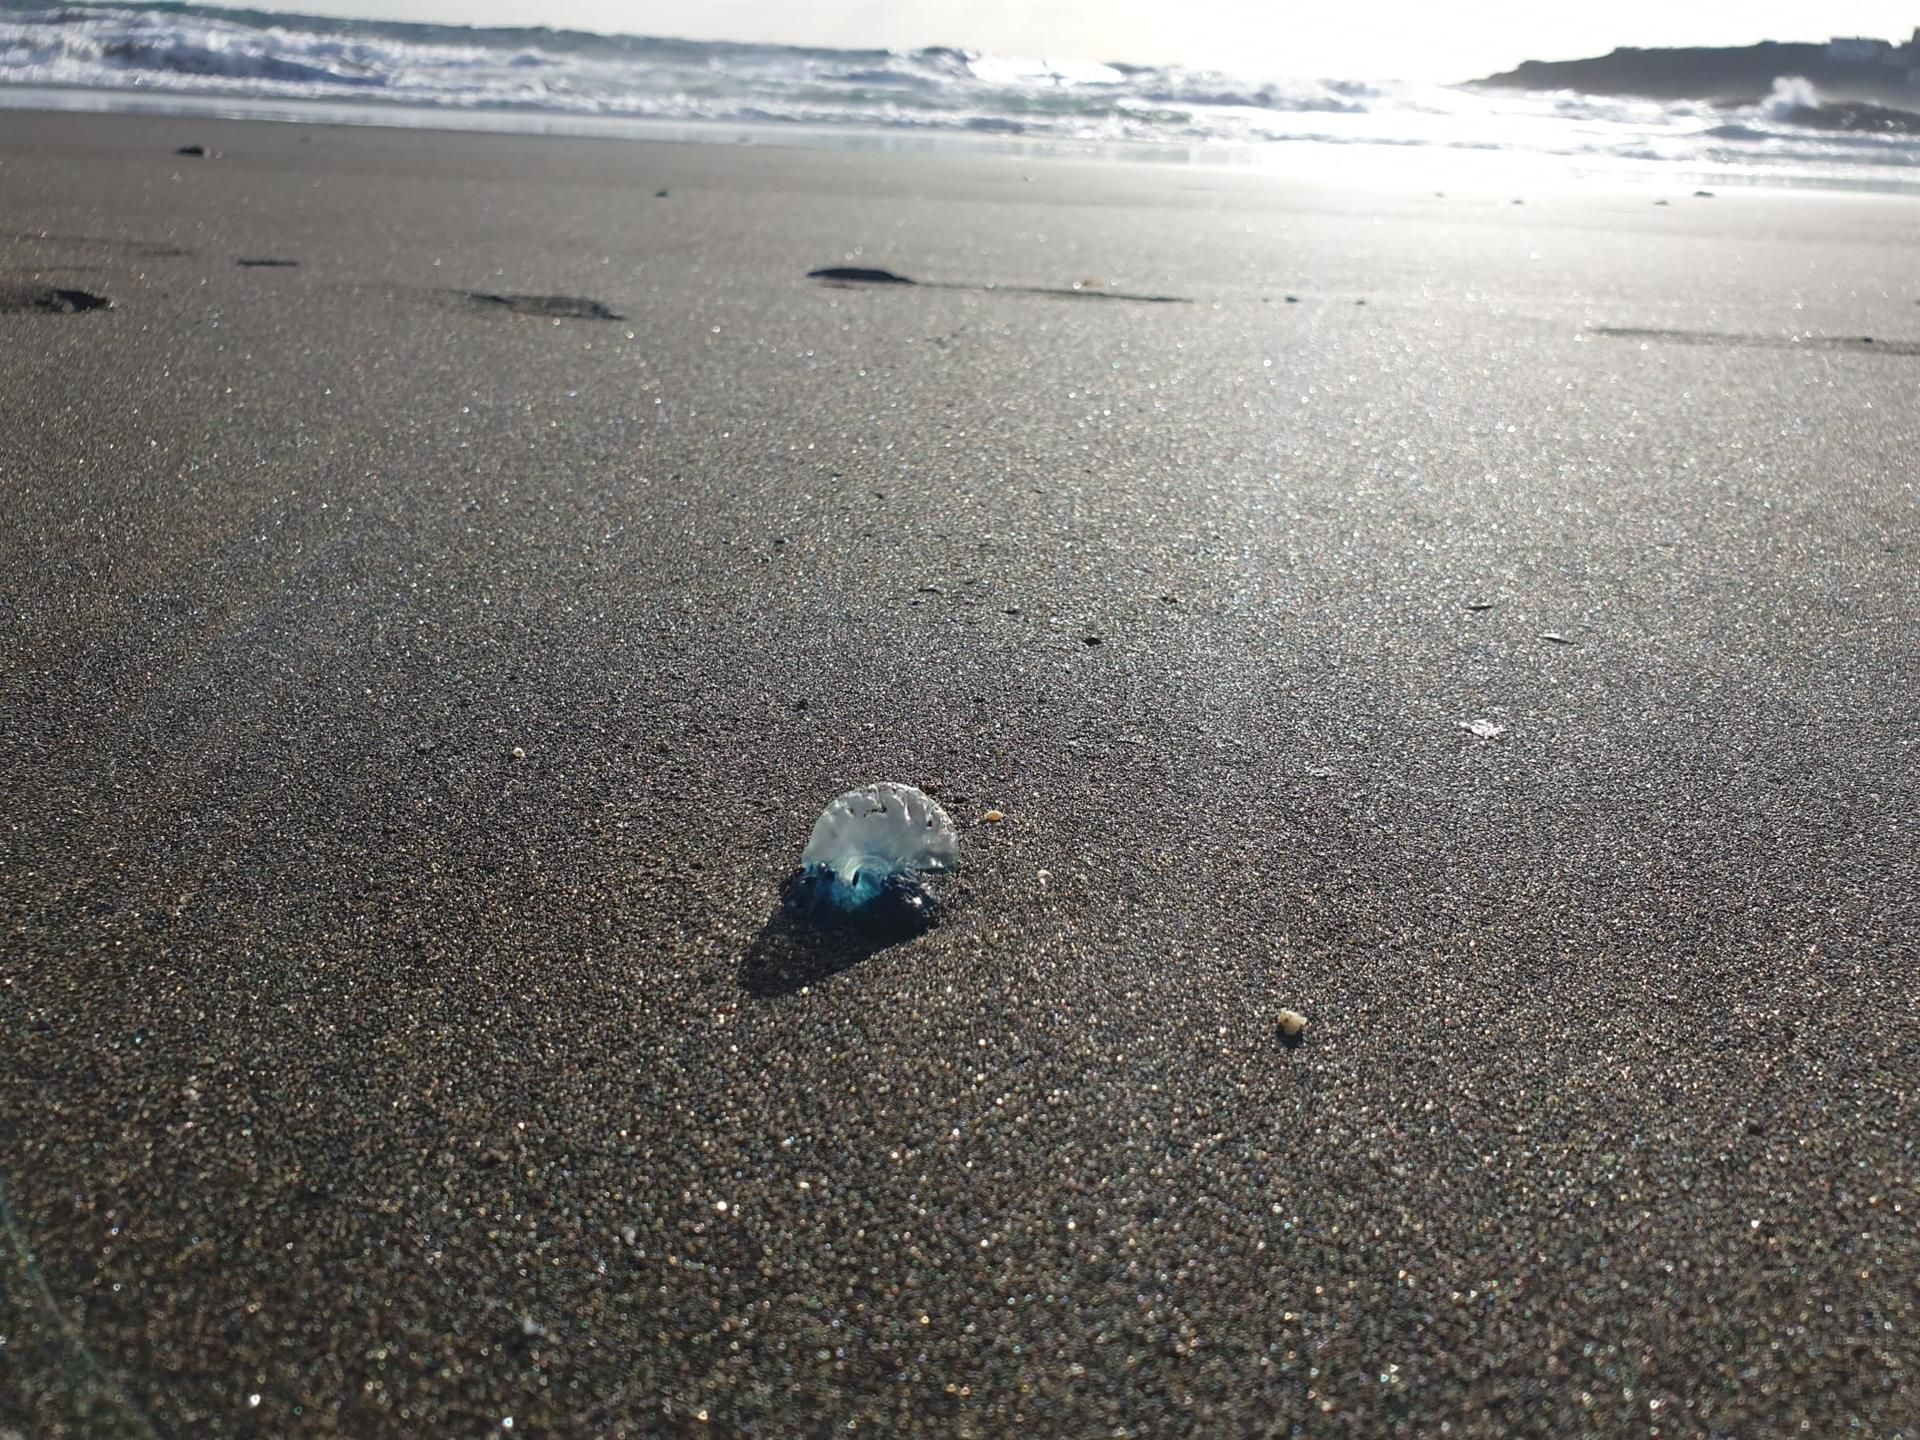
<point>544,307</point>
<point>27,297</point>
<point>846,276</point>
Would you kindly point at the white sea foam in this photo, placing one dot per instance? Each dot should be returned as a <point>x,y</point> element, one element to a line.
<point>1790,93</point>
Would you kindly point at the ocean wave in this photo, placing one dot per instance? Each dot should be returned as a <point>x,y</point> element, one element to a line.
<point>205,51</point>
<point>1790,93</point>
<point>197,49</point>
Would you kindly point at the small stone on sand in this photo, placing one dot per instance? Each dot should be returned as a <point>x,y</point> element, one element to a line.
<point>1292,1024</point>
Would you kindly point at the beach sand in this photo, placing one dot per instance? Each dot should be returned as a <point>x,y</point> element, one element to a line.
<point>411,703</point>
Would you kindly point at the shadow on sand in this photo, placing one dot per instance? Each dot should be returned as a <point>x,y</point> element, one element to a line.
<point>795,950</point>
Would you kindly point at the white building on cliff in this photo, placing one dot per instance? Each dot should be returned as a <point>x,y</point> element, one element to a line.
<point>1864,50</point>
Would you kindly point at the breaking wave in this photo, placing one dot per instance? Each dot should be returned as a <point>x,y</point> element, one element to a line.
<point>194,52</point>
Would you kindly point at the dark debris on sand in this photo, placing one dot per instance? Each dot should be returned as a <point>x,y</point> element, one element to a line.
<point>858,275</point>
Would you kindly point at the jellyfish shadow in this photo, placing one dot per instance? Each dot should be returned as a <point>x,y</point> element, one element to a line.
<point>805,941</point>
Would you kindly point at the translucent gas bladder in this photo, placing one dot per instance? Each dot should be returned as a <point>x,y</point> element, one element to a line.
<point>878,852</point>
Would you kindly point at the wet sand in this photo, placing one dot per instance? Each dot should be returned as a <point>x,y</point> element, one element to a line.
<point>418,681</point>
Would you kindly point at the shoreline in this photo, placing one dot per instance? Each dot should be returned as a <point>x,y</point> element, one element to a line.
<point>1368,164</point>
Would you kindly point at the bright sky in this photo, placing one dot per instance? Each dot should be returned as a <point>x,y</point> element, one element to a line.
<point>1358,39</point>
